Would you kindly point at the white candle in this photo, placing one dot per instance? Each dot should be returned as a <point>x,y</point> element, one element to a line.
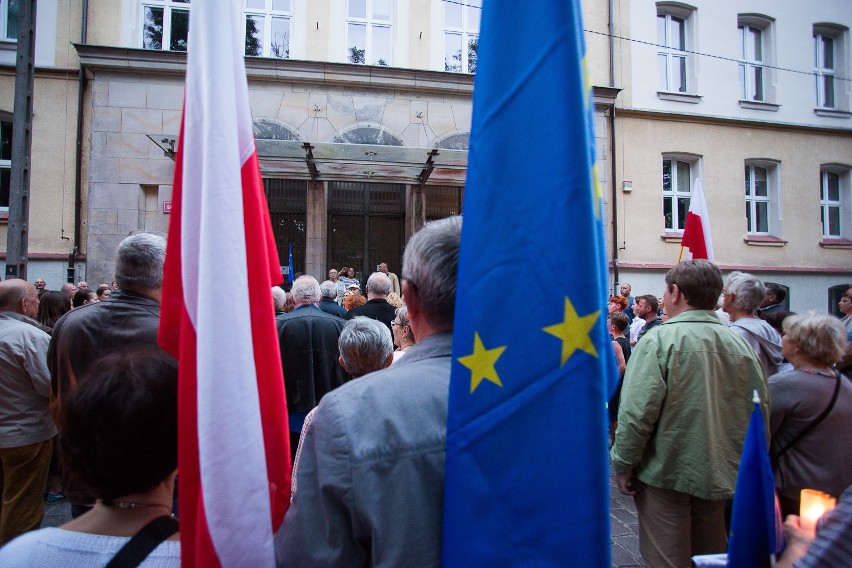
<point>814,504</point>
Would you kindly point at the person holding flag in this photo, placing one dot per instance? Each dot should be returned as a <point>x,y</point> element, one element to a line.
<point>233,448</point>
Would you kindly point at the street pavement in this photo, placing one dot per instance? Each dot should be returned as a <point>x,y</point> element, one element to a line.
<point>622,513</point>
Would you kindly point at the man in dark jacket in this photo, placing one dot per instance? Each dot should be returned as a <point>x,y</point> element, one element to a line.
<point>308,338</point>
<point>329,295</point>
<point>377,306</point>
<point>128,321</point>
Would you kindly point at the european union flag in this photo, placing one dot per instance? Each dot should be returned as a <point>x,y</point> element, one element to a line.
<point>755,525</point>
<point>291,276</point>
<point>527,469</point>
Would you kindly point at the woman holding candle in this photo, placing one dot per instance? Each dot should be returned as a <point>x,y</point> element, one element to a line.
<point>811,411</point>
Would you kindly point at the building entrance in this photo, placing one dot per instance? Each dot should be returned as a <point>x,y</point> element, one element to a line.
<point>365,226</point>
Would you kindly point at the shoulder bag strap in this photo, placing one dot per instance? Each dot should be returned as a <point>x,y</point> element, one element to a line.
<point>146,540</point>
<point>806,430</point>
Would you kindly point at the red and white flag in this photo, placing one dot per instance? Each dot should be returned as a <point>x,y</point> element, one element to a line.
<point>696,233</point>
<point>217,316</point>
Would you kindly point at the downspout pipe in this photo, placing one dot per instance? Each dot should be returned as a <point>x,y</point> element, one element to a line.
<point>78,176</point>
<point>611,124</point>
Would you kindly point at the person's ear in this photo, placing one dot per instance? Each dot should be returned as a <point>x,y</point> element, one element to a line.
<point>412,302</point>
<point>340,360</point>
<point>389,361</point>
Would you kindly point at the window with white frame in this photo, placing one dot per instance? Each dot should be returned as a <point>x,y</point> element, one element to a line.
<point>268,28</point>
<point>368,32</point>
<point>835,201</point>
<point>461,35</point>
<point>824,70</point>
<point>831,65</point>
<point>757,200</point>
<point>677,192</point>
<point>9,20</point>
<point>165,24</point>
<point>754,46</point>
<point>5,164</point>
<point>673,32</point>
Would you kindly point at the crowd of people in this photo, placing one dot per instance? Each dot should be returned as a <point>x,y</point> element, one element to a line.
<point>366,380</point>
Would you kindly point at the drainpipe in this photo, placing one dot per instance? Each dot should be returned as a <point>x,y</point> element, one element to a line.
<point>78,179</point>
<point>611,125</point>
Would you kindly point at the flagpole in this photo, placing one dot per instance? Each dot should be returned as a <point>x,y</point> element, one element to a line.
<point>679,254</point>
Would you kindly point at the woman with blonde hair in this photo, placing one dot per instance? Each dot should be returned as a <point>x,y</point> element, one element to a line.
<point>403,335</point>
<point>811,408</point>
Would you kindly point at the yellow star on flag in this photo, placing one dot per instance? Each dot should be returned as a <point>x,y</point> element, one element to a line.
<point>481,363</point>
<point>574,332</point>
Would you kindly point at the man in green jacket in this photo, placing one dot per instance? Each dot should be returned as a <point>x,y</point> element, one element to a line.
<point>685,407</point>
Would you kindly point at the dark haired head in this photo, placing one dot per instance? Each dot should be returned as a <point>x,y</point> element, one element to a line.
<point>700,282</point>
<point>619,320</point>
<point>775,319</point>
<point>119,427</point>
<point>777,289</point>
<point>51,306</point>
<point>82,296</point>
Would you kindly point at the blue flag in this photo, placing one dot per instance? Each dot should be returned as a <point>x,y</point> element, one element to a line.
<point>290,273</point>
<point>527,474</point>
<point>755,525</point>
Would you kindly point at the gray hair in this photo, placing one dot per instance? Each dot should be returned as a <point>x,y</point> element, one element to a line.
<point>306,290</point>
<point>430,265</point>
<point>820,336</point>
<point>328,290</point>
<point>279,298</point>
<point>139,262</point>
<point>365,345</point>
<point>747,289</point>
<point>378,284</point>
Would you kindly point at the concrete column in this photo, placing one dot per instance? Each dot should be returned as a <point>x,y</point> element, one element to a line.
<point>316,237</point>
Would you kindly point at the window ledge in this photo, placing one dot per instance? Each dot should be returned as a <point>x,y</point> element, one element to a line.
<point>672,236</point>
<point>832,113</point>
<point>679,97</point>
<point>836,243</point>
<point>764,241</point>
<point>759,105</point>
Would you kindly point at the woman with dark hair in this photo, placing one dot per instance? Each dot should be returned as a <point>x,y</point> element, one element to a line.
<point>119,438</point>
<point>51,306</point>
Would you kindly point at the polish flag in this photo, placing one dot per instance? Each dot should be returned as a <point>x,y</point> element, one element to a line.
<point>217,316</point>
<point>696,233</point>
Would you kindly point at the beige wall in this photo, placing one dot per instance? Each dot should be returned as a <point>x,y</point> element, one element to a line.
<point>643,139</point>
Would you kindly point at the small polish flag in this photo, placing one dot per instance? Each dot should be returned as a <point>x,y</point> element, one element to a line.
<point>696,233</point>
<point>233,440</point>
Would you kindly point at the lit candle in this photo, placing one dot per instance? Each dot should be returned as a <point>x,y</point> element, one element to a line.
<point>814,504</point>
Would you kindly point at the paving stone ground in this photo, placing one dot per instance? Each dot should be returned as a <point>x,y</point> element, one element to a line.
<point>624,526</point>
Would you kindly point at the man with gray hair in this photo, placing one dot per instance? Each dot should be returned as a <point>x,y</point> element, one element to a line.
<point>377,306</point>
<point>279,299</point>
<point>365,346</point>
<point>307,337</point>
<point>329,305</point>
<point>371,472</point>
<point>742,296</point>
<point>128,321</point>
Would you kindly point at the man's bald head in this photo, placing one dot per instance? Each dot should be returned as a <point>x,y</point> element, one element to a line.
<point>19,296</point>
<point>378,286</point>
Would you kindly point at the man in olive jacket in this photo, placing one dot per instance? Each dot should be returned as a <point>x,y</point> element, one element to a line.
<point>685,408</point>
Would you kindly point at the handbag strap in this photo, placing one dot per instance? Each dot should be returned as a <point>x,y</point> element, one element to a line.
<point>146,540</point>
<point>807,429</point>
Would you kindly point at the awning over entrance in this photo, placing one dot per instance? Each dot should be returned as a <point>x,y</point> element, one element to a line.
<point>326,161</point>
